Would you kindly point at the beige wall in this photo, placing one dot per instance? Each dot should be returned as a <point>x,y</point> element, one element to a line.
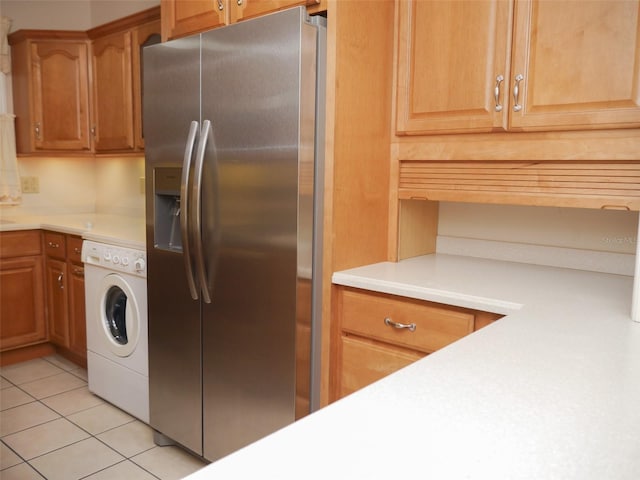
<point>68,14</point>
<point>67,185</point>
<point>118,186</point>
<point>103,11</point>
<point>81,185</point>
<point>600,230</point>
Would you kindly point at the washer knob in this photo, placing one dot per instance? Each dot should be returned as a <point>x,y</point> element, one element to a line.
<point>139,264</point>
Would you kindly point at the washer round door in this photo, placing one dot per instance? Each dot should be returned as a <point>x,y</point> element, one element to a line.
<point>119,316</point>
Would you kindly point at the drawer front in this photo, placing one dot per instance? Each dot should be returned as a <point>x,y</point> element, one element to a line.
<point>435,326</point>
<point>74,249</point>
<point>365,362</point>
<point>23,243</point>
<point>54,245</point>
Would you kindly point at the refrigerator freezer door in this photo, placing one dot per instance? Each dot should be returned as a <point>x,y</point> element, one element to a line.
<point>171,103</point>
<point>259,94</point>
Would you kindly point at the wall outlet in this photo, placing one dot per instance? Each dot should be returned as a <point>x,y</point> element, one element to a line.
<point>30,184</point>
<point>142,190</point>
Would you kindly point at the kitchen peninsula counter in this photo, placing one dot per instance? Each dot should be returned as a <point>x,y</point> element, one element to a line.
<point>550,391</point>
<point>126,231</point>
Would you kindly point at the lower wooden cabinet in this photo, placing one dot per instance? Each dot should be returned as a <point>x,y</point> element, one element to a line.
<point>364,361</point>
<point>77,310</point>
<point>65,295</point>
<point>22,299</point>
<point>57,314</point>
<point>380,333</point>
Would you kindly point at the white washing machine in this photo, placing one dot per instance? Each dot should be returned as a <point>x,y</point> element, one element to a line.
<point>117,344</point>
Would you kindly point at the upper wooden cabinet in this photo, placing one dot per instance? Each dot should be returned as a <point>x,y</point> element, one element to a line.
<point>142,35</point>
<point>244,9</point>
<point>564,65</point>
<point>184,17</point>
<point>50,90</point>
<point>112,88</point>
<point>180,18</point>
<point>81,91</point>
<point>116,80</point>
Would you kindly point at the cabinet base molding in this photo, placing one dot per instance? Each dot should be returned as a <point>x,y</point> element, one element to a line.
<point>29,352</point>
<point>72,356</point>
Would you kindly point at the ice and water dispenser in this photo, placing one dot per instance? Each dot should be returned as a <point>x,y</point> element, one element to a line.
<point>166,184</point>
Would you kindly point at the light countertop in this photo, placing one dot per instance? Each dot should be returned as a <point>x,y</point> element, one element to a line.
<point>118,230</point>
<point>550,391</point>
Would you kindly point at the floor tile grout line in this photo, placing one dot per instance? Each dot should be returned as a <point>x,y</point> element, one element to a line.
<point>86,384</point>
<point>118,463</point>
<point>123,457</point>
<point>24,460</point>
<point>30,426</point>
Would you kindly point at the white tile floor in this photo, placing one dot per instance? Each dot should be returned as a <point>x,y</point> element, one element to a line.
<point>52,427</point>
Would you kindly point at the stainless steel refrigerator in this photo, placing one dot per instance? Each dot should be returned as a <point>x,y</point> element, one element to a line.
<point>233,123</point>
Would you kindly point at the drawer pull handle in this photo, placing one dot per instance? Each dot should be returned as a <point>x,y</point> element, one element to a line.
<point>410,326</point>
<point>54,245</point>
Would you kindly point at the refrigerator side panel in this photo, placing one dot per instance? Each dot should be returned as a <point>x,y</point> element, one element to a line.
<point>251,94</point>
<point>171,102</point>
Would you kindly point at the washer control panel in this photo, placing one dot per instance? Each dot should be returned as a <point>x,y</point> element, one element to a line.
<point>120,259</point>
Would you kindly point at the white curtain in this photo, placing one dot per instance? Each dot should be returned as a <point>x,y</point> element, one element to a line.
<point>10,191</point>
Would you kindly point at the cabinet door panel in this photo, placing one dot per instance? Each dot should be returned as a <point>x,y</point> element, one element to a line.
<point>22,314</point>
<point>77,317</point>
<point>57,301</point>
<point>143,35</point>
<point>579,62</point>
<point>112,93</point>
<point>60,91</point>
<point>450,54</point>
<point>183,17</point>
<point>435,327</point>
<point>365,362</point>
<point>244,9</point>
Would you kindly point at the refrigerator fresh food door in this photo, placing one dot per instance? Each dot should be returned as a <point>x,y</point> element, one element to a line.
<point>258,91</point>
<point>171,99</point>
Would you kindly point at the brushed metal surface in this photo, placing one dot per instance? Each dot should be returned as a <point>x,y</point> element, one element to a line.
<point>171,102</point>
<point>258,93</point>
<point>225,374</point>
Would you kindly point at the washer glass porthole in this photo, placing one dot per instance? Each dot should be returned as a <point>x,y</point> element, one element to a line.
<point>116,314</point>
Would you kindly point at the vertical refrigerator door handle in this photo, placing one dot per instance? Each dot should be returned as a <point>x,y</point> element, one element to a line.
<point>185,208</point>
<point>197,214</point>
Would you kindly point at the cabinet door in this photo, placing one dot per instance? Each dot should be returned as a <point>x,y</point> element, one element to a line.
<point>451,55</point>
<point>57,301</point>
<point>60,92</point>
<point>112,93</point>
<point>144,35</point>
<point>22,313</point>
<point>55,245</point>
<point>77,315</point>
<point>183,17</point>
<point>579,63</point>
<point>243,9</point>
<point>364,362</point>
